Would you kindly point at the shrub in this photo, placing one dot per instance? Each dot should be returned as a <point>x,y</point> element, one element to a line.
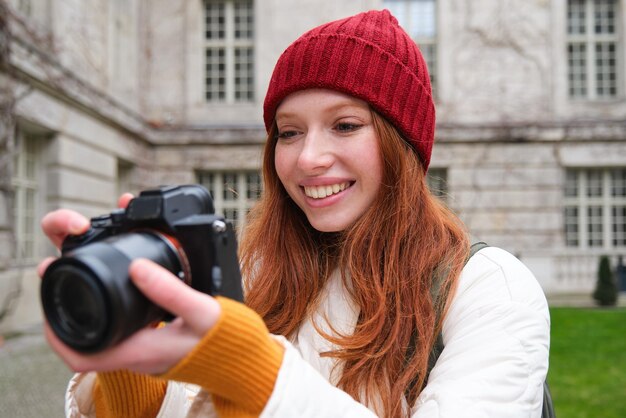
<point>605,293</point>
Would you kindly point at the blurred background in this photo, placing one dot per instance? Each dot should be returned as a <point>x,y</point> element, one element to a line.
<point>99,97</point>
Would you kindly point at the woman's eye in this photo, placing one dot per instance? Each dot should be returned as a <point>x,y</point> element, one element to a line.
<point>286,134</point>
<point>347,127</point>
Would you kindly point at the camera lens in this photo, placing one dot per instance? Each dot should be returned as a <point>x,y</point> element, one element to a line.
<point>79,306</point>
<point>88,297</point>
<point>81,313</point>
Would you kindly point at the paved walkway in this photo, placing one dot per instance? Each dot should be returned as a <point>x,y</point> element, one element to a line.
<point>32,378</point>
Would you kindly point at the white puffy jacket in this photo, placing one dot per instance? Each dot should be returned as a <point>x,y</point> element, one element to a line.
<point>496,337</point>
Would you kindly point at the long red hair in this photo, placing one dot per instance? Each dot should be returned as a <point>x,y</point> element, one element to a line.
<point>391,257</point>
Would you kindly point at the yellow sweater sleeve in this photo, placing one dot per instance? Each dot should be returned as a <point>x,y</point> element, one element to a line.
<point>237,362</point>
<point>126,394</point>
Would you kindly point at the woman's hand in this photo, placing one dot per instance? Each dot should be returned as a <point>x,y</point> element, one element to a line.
<point>59,224</point>
<point>150,350</point>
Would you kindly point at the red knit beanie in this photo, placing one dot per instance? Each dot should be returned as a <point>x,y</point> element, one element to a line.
<point>368,56</point>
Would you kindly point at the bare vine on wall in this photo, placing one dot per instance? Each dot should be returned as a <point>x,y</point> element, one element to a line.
<point>30,62</point>
<point>10,95</point>
<point>7,150</point>
<point>7,144</point>
<point>23,39</point>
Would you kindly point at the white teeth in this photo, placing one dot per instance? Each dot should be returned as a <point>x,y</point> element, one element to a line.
<point>320,192</point>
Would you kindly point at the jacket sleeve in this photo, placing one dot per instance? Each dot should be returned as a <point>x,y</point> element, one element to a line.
<point>496,342</point>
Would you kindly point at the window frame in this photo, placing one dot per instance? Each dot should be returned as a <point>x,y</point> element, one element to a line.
<point>216,182</point>
<point>589,193</point>
<point>28,146</point>
<point>227,47</point>
<point>586,44</point>
<point>428,45</point>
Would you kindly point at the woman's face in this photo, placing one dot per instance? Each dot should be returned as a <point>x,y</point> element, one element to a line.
<point>327,156</point>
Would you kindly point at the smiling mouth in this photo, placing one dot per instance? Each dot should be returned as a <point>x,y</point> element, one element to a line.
<point>320,192</point>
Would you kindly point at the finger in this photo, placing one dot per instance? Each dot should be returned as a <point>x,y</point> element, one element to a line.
<point>124,199</point>
<point>198,310</point>
<point>152,351</point>
<point>149,350</point>
<point>43,266</point>
<point>59,224</point>
<point>79,362</point>
<point>71,358</point>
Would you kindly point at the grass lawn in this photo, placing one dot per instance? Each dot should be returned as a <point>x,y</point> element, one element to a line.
<point>587,375</point>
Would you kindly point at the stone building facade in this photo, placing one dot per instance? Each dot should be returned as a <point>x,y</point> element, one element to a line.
<point>104,96</point>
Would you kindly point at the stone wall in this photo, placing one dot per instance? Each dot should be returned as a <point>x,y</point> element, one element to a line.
<point>116,89</point>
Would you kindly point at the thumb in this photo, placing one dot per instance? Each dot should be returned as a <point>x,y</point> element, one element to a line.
<point>199,311</point>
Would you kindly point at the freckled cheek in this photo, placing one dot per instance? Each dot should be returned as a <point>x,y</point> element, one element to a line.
<point>281,162</point>
<point>374,181</point>
<point>374,170</point>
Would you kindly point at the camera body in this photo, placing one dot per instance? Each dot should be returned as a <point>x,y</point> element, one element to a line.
<point>87,295</point>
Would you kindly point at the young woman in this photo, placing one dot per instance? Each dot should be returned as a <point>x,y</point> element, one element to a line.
<point>353,268</point>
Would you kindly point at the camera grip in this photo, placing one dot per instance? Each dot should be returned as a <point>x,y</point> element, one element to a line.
<point>211,247</point>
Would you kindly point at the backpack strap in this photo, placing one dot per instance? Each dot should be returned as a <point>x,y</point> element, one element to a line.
<point>438,347</point>
<point>477,246</point>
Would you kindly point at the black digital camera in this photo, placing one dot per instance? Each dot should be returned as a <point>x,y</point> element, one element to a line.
<point>87,295</point>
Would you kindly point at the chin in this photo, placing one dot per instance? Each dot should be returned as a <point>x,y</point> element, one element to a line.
<point>333,226</point>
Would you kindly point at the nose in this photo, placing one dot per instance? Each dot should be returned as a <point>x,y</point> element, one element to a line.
<point>317,153</point>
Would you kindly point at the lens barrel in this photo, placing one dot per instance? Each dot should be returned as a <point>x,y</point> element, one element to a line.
<point>88,297</point>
